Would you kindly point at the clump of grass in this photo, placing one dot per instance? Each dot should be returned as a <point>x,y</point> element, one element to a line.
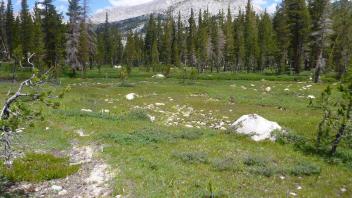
<point>305,169</point>
<point>265,171</point>
<point>35,167</point>
<point>147,163</point>
<point>189,135</point>
<point>255,161</point>
<point>291,138</point>
<point>144,136</point>
<point>192,157</point>
<point>138,114</point>
<point>69,113</point>
<point>126,84</point>
<point>224,164</point>
<point>151,136</point>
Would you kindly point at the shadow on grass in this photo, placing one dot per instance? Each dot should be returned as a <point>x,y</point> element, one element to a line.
<point>307,146</point>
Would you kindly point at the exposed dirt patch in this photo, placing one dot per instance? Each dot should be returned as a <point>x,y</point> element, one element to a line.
<point>94,179</point>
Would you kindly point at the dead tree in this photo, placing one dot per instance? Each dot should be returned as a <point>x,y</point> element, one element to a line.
<point>14,110</point>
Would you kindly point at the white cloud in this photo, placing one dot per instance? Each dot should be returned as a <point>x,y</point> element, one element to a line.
<point>128,2</point>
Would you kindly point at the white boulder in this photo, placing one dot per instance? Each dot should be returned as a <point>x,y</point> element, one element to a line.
<point>131,96</point>
<point>256,126</point>
<point>159,76</point>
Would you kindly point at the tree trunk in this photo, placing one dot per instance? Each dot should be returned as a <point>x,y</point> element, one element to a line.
<point>318,67</point>
<point>342,129</point>
<point>338,138</point>
<point>14,72</point>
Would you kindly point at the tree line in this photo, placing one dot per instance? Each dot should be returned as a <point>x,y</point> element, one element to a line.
<point>300,36</point>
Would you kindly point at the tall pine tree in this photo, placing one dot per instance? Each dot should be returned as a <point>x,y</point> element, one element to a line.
<point>26,29</point>
<point>251,38</point>
<point>10,20</point>
<point>298,20</point>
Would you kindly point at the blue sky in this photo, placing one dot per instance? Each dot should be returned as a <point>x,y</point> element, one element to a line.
<point>95,5</point>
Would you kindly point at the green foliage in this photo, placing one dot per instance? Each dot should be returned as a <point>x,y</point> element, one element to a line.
<point>137,114</point>
<point>166,70</point>
<point>255,161</point>
<point>123,74</point>
<point>150,135</point>
<point>305,169</point>
<point>192,157</point>
<point>193,75</point>
<point>337,119</point>
<point>141,137</point>
<point>38,167</point>
<point>290,138</point>
<point>224,164</point>
<point>265,171</point>
<point>188,134</point>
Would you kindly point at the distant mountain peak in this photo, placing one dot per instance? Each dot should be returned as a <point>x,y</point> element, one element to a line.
<point>120,13</point>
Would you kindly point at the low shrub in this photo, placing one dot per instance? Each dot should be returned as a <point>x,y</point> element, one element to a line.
<point>69,113</point>
<point>144,137</point>
<point>305,169</point>
<point>35,167</point>
<point>138,114</point>
<point>189,135</point>
<point>224,164</point>
<point>151,135</point>
<point>255,161</point>
<point>265,171</point>
<point>192,157</point>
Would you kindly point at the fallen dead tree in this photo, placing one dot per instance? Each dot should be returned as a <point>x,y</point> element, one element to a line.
<point>18,107</point>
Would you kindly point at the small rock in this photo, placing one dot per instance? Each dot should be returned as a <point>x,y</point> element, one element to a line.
<point>268,89</point>
<point>159,104</point>
<point>81,133</point>
<point>293,194</point>
<point>131,96</point>
<point>105,111</point>
<point>151,118</point>
<point>343,190</point>
<point>311,97</point>
<point>299,187</point>
<point>87,110</point>
<point>56,188</point>
<point>282,177</point>
<point>63,192</point>
<point>159,76</point>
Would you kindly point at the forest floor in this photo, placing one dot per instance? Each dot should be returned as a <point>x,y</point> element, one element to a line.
<point>173,140</point>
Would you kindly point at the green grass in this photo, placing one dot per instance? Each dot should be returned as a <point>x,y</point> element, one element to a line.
<point>35,167</point>
<point>153,159</point>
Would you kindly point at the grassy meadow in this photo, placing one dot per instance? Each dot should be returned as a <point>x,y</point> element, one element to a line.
<point>173,139</point>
